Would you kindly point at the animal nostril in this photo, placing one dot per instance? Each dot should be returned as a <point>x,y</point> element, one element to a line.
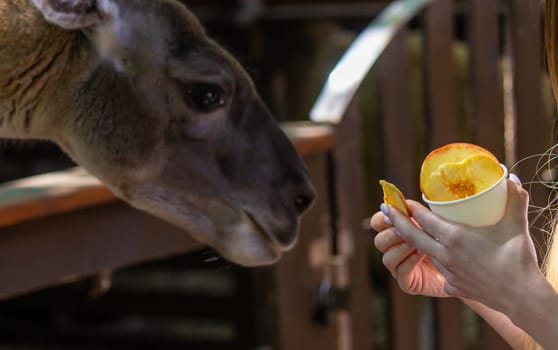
<point>302,202</point>
<point>297,194</point>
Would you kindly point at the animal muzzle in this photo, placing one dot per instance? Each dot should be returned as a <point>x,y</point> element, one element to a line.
<point>296,198</point>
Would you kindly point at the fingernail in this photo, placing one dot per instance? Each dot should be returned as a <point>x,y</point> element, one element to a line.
<point>387,220</point>
<point>384,208</point>
<point>397,233</point>
<point>515,179</point>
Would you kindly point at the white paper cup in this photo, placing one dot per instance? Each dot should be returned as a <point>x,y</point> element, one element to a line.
<point>482,209</point>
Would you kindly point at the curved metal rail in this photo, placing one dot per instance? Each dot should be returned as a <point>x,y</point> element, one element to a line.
<point>360,57</point>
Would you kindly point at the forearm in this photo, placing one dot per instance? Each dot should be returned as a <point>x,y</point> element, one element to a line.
<point>512,334</point>
<point>537,312</point>
<point>534,312</point>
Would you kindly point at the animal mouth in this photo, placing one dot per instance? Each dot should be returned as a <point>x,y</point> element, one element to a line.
<point>274,245</point>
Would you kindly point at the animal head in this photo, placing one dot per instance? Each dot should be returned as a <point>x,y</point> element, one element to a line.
<point>172,124</point>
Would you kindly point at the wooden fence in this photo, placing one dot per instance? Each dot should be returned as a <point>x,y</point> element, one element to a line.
<point>433,85</point>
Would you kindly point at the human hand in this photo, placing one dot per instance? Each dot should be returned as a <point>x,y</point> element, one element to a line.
<point>473,263</point>
<point>413,270</point>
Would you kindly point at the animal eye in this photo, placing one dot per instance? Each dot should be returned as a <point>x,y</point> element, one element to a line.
<point>205,97</point>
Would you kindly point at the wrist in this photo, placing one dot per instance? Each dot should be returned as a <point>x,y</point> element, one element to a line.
<point>536,302</point>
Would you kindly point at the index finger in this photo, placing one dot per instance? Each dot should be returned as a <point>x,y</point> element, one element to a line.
<point>412,234</point>
<point>430,223</point>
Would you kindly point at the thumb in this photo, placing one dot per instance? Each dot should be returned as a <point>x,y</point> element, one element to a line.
<point>518,202</point>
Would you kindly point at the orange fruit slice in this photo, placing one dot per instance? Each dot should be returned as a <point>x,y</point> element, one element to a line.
<point>394,197</point>
<point>458,170</point>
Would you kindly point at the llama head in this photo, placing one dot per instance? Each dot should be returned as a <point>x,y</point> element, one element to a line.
<point>172,124</point>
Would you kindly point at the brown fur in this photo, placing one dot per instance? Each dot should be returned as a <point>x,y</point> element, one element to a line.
<point>113,82</point>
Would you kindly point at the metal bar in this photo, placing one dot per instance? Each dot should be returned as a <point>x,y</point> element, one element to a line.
<point>356,62</point>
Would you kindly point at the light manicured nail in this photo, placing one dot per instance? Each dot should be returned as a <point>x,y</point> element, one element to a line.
<point>387,220</point>
<point>515,179</point>
<point>384,208</point>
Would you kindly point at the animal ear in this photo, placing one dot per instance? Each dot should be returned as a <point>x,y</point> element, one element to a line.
<point>95,18</point>
<point>74,14</point>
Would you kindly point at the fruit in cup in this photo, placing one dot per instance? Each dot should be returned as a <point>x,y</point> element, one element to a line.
<point>394,197</point>
<point>458,170</point>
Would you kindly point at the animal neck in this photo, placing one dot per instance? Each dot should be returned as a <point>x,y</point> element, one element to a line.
<point>34,58</point>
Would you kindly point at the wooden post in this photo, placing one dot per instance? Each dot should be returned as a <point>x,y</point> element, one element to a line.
<point>532,136</point>
<point>352,244</point>
<point>440,73</point>
<point>486,80</point>
<point>486,92</point>
<point>400,168</point>
<point>441,102</point>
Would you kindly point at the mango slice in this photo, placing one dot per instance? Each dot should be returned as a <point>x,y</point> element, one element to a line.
<point>394,197</point>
